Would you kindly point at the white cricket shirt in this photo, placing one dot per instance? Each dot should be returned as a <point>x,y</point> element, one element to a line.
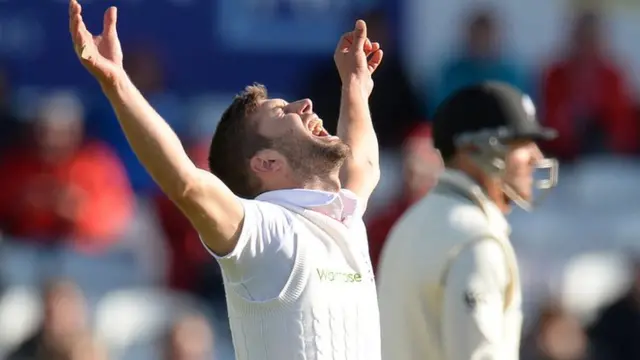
<point>299,283</point>
<point>448,281</point>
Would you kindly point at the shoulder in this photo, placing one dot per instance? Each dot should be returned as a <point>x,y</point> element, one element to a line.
<point>270,218</point>
<point>467,218</point>
<point>96,150</point>
<point>439,223</point>
<point>354,205</point>
<point>611,66</point>
<point>456,213</point>
<point>612,71</point>
<point>484,252</point>
<point>97,147</point>
<point>265,226</point>
<point>555,69</point>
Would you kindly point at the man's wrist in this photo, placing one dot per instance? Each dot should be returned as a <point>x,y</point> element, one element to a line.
<point>116,84</point>
<point>353,82</point>
<point>353,87</point>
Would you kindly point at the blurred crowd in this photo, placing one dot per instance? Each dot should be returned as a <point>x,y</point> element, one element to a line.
<point>95,263</point>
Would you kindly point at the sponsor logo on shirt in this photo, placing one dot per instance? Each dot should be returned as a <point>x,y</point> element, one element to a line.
<point>327,275</point>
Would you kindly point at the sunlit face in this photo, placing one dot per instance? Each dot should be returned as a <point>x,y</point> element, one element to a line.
<point>521,161</point>
<point>298,136</point>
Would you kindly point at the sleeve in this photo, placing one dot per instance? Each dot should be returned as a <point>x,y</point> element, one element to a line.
<point>474,303</point>
<point>261,263</point>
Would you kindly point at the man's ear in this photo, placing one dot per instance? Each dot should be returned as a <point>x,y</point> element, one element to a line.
<point>267,161</point>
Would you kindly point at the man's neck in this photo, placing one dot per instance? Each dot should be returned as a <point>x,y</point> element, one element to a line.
<point>329,183</point>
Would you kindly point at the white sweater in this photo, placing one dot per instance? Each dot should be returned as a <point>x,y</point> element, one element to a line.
<point>448,280</point>
<point>299,285</point>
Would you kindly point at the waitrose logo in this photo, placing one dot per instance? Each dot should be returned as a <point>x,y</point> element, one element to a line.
<point>327,275</point>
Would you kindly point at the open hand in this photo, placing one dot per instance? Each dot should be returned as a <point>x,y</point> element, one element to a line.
<point>357,58</point>
<point>102,54</point>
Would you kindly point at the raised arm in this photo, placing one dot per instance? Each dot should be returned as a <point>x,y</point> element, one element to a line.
<point>211,207</point>
<point>356,59</point>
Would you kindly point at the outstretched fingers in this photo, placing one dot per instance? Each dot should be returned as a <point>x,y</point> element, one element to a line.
<point>77,28</point>
<point>110,21</point>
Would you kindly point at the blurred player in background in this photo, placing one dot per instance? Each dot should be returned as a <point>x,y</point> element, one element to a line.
<point>448,278</point>
<point>294,257</point>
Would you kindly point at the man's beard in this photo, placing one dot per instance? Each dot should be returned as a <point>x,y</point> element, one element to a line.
<point>310,159</point>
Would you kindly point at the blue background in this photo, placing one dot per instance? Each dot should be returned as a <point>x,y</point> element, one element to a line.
<point>236,42</point>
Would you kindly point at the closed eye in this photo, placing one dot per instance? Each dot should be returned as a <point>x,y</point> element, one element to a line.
<point>278,110</point>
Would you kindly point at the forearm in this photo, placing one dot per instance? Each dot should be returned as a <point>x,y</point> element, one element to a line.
<point>154,142</point>
<point>355,128</point>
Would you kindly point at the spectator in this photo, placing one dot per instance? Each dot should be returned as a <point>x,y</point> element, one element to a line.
<point>557,335</point>
<point>480,59</point>
<point>618,326</point>
<point>65,318</point>
<point>395,107</point>
<point>190,339</point>
<point>585,97</point>
<point>62,187</point>
<point>421,164</point>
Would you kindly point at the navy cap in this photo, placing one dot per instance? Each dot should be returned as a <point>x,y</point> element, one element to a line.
<point>486,106</point>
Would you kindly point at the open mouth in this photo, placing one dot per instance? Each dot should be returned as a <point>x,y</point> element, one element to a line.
<point>316,129</point>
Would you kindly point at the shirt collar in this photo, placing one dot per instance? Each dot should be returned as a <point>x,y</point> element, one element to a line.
<point>341,205</point>
<point>471,189</point>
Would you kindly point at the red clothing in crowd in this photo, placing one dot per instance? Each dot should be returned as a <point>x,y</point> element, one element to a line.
<point>186,254</point>
<point>574,91</point>
<point>379,227</point>
<point>421,167</point>
<point>86,198</point>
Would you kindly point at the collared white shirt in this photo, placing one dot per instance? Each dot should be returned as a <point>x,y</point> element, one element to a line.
<point>340,206</point>
<point>299,282</point>
<point>261,263</point>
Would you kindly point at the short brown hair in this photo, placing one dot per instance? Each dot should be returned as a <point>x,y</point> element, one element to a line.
<point>236,141</point>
